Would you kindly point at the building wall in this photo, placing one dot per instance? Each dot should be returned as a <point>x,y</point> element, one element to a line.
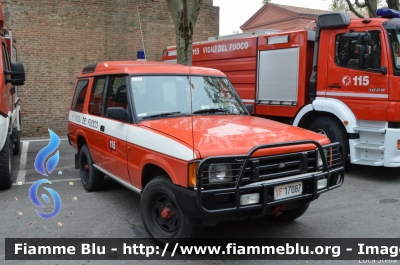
<point>55,39</point>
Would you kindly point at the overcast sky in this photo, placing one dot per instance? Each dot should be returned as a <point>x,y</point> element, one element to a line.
<point>234,13</point>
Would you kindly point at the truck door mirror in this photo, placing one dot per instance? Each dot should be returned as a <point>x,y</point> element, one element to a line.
<point>17,74</point>
<point>249,108</point>
<point>362,54</point>
<point>117,113</point>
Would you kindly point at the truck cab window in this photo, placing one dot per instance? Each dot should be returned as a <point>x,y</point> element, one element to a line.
<point>6,59</point>
<point>394,38</point>
<point>349,50</point>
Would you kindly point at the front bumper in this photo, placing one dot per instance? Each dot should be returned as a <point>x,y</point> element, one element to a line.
<point>207,201</point>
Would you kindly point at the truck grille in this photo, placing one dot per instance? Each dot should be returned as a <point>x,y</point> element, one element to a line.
<point>270,167</point>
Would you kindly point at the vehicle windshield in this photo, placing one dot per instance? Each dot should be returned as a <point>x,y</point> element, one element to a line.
<point>394,38</point>
<point>168,96</point>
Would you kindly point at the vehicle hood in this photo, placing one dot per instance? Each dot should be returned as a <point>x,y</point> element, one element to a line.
<point>216,135</point>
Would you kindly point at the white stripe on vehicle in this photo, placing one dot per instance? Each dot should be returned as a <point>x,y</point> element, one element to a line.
<point>358,95</point>
<point>248,100</point>
<point>137,135</point>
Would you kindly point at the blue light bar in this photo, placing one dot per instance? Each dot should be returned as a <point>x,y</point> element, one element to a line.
<point>387,13</point>
<point>141,54</point>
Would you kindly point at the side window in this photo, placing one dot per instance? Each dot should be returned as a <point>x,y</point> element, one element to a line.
<point>80,95</point>
<point>116,94</point>
<point>351,47</point>
<point>96,96</point>
<point>6,59</point>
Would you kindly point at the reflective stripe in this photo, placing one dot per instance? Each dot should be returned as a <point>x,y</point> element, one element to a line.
<point>248,100</point>
<point>358,95</point>
<point>139,136</point>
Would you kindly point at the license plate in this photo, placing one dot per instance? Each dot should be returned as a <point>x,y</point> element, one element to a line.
<point>288,190</point>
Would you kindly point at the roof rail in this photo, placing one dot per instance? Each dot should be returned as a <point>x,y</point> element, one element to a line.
<point>245,34</point>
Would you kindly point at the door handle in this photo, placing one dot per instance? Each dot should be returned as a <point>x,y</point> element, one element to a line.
<point>334,86</point>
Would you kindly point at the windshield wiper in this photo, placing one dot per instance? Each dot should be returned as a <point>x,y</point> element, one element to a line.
<point>214,110</point>
<point>163,114</point>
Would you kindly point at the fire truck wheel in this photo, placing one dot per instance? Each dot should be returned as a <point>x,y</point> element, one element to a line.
<point>332,129</point>
<point>162,218</point>
<point>92,179</point>
<point>6,165</point>
<point>16,141</point>
<point>292,214</point>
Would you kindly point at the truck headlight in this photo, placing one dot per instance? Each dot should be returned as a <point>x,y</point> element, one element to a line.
<point>219,173</point>
<point>320,162</point>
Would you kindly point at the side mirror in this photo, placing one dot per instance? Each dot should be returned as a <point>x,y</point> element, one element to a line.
<point>384,70</point>
<point>362,52</point>
<point>17,74</point>
<point>117,113</point>
<point>249,108</point>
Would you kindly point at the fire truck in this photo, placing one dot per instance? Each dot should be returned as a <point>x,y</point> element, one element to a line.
<point>341,80</point>
<point>12,74</point>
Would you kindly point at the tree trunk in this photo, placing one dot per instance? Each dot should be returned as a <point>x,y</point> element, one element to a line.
<point>184,14</point>
<point>393,4</point>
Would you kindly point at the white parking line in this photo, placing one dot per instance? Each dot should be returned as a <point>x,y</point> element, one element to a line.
<point>22,162</point>
<point>55,180</point>
<point>44,140</point>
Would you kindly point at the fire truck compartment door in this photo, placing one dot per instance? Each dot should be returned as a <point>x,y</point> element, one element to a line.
<point>278,73</point>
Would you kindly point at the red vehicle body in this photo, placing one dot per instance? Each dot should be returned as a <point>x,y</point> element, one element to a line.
<point>11,75</point>
<point>181,138</point>
<point>352,97</point>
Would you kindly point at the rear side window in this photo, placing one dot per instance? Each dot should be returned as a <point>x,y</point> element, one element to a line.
<point>96,96</point>
<point>80,95</point>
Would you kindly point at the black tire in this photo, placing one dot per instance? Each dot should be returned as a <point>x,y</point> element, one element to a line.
<point>92,179</point>
<point>6,169</point>
<point>158,199</point>
<point>333,130</point>
<point>16,141</point>
<point>292,214</point>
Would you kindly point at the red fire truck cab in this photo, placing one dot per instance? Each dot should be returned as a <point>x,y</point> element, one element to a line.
<point>11,75</point>
<point>341,80</point>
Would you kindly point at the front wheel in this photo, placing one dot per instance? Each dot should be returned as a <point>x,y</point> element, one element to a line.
<point>92,179</point>
<point>332,129</point>
<point>6,169</point>
<point>161,215</point>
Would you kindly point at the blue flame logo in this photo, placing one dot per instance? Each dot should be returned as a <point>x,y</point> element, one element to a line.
<point>35,200</point>
<point>45,152</point>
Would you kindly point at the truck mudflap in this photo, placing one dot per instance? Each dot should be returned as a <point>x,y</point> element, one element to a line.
<point>257,183</point>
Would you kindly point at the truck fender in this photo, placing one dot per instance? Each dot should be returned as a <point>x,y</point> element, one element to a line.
<point>4,124</point>
<point>332,106</point>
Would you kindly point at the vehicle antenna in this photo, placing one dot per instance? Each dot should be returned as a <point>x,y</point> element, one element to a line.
<point>141,31</point>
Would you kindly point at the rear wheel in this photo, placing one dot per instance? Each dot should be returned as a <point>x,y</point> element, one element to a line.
<point>6,165</point>
<point>16,141</point>
<point>292,214</point>
<point>92,179</point>
<point>332,129</point>
<point>161,215</point>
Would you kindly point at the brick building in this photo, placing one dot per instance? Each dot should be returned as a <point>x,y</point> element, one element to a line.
<point>282,17</point>
<point>55,39</point>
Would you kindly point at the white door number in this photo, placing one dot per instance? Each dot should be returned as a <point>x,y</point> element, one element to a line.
<point>361,80</point>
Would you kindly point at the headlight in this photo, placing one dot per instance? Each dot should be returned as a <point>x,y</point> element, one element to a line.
<point>219,173</point>
<point>320,162</point>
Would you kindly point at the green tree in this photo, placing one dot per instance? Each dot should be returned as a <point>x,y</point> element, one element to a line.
<point>184,14</point>
<point>266,1</point>
<point>367,8</point>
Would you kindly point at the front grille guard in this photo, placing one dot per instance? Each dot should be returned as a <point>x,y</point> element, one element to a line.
<point>264,186</point>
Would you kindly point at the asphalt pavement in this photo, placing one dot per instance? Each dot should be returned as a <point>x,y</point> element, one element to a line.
<point>366,206</point>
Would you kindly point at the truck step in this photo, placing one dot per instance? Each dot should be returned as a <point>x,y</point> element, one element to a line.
<point>369,146</point>
<point>368,162</point>
<point>369,129</point>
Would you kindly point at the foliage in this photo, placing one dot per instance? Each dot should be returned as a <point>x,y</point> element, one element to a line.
<point>362,9</point>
